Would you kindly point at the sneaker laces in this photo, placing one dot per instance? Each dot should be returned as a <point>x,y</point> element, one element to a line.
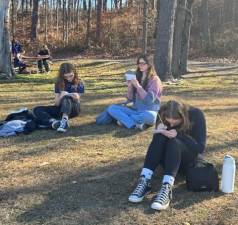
<point>141,186</point>
<point>164,194</point>
<point>63,123</point>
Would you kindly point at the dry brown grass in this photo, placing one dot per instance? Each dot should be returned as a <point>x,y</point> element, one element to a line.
<point>85,175</point>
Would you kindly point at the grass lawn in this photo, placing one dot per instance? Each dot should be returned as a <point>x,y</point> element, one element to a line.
<point>85,175</point>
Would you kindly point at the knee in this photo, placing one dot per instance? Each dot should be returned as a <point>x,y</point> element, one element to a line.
<point>36,110</point>
<point>172,144</point>
<point>111,109</point>
<point>150,118</point>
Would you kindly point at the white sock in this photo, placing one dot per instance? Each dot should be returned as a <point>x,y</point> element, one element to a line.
<point>147,173</point>
<point>168,179</point>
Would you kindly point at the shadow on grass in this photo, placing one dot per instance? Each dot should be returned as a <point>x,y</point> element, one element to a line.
<point>93,195</point>
<point>213,68</point>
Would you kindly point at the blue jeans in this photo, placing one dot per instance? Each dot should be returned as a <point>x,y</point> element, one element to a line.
<point>127,116</point>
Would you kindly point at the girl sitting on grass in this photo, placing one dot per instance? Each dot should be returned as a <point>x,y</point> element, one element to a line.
<point>145,93</point>
<point>179,137</point>
<point>68,89</point>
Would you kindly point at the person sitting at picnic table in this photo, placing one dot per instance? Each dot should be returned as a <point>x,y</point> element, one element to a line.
<point>43,59</point>
<point>16,47</point>
<point>18,61</point>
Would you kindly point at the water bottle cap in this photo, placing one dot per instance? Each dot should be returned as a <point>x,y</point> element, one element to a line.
<point>229,158</point>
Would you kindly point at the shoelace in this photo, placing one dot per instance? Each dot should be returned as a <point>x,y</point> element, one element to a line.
<point>140,187</point>
<point>163,194</point>
<point>63,123</point>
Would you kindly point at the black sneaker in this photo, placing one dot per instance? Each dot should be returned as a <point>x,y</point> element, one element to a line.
<point>64,124</point>
<point>143,187</point>
<point>163,198</point>
<point>56,124</point>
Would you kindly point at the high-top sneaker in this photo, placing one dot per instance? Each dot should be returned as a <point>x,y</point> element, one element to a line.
<point>143,187</point>
<point>163,198</point>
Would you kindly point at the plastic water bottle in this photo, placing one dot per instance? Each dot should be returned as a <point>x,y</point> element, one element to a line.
<point>228,174</point>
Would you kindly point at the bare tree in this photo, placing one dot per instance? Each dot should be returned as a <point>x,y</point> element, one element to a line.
<point>13,16</point>
<point>87,43</point>
<point>186,38</point>
<point>5,55</point>
<point>178,29</point>
<point>99,18</point>
<point>164,39</point>
<point>204,23</point>
<point>34,21</point>
<point>145,27</point>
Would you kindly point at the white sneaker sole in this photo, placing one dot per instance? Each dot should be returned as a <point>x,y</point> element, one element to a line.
<point>61,130</point>
<point>158,206</point>
<point>134,199</point>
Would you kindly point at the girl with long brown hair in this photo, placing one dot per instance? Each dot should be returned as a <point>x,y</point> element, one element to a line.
<point>179,137</point>
<point>144,91</point>
<point>68,89</point>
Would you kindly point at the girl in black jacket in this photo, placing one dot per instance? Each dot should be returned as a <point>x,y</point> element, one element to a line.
<point>179,137</point>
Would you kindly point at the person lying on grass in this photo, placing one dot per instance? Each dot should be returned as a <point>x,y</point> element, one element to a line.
<point>68,89</point>
<point>144,90</point>
<point>179,137</point>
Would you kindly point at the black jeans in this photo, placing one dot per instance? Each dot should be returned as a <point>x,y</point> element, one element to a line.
<point>45,63</point>
<point>68,106</point>
<point>172,154</point>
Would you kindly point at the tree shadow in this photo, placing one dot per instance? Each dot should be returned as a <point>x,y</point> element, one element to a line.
<point>102,192</point>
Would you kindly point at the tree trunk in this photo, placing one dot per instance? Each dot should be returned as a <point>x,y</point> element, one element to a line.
<point>13,16</point>
<point>46,21</point>
<point>236,13</point>
<point>116,4</point>
<point>5,55</point>
<point>186,38</point>
<point>145,27</point>
<point>88,24</point>
<point>178,29</point>
<point>205,29</point>
<point>104,5</point>
<point>99,17</point>
<point>164,39</point>
<point>34,21</point>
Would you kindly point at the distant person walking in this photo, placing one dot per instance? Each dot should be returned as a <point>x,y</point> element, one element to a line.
<point>68,90</point>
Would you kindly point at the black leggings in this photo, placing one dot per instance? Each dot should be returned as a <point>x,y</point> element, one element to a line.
<point>172,154</point>
<point>44,114</point>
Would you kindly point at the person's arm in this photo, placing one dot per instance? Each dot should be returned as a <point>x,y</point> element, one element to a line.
<point>59,96</point>
<point>197,139</point>
<point>154,91</point>
<point>130,91</point>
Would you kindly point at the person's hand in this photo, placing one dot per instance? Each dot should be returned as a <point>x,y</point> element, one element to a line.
<point>128,82</point>
<point>135,83</point>
<point>169,133</point>
<point>161,127</point>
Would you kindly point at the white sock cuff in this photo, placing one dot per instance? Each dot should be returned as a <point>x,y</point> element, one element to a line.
<point>168,179</point>
<point>147,173</point>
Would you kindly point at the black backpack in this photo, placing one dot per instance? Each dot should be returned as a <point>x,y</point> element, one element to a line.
<point>202,176</point>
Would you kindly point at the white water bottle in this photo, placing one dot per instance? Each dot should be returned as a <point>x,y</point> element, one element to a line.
<point>228,174</point>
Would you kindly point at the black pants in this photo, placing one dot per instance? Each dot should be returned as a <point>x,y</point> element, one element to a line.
<point>45,63</point>
<point>172,154</point>
<point>68,106</point>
